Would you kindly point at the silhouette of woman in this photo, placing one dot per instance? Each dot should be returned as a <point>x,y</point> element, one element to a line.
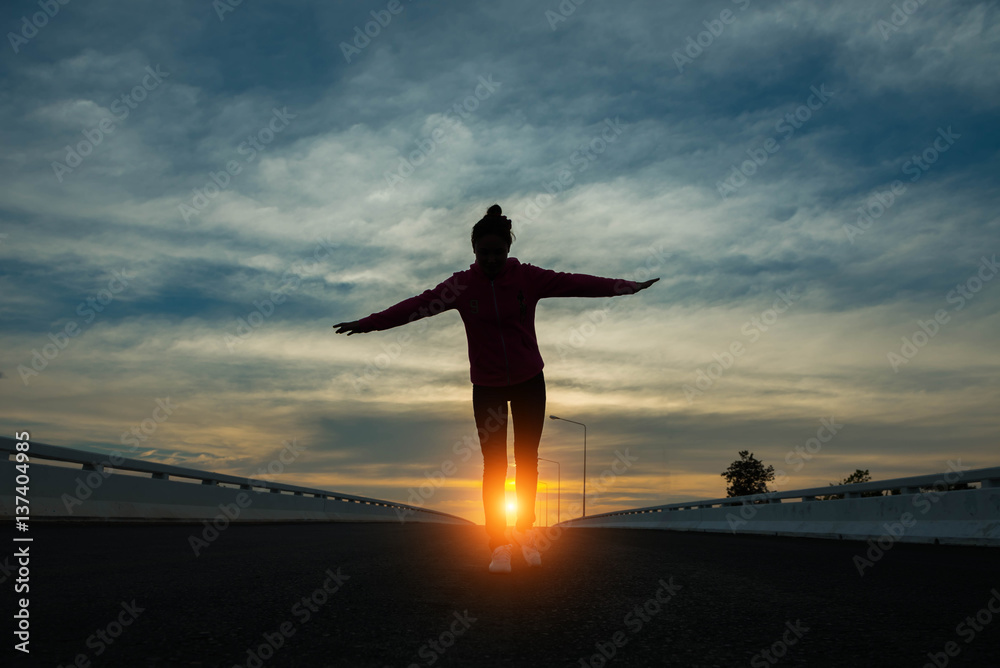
<point>496,297</point>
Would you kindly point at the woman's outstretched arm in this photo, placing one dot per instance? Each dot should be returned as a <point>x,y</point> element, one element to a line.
<point>562,284</point>
<point>431,302</point>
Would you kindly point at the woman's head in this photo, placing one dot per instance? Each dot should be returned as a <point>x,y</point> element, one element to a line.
<point>491,239</point>
<point>493,223</point>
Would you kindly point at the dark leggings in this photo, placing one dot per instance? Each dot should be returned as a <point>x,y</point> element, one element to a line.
<point>527,407</point>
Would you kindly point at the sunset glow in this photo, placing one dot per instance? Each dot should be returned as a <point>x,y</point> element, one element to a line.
<point>819,205</point>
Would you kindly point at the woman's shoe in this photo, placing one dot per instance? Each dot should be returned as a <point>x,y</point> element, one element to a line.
<point>528,547</point>
<point>500,562</point>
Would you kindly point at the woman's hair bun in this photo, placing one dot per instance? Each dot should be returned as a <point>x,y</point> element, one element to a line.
<point>494,222</point>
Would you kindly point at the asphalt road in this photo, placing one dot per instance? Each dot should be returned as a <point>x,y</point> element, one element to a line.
<point>396,595</point>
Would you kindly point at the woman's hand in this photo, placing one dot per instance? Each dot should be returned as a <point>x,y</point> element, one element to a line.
<point>645,284</point>
<point>349,327</point>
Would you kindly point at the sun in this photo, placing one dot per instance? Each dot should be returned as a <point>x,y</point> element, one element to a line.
<point>511,506</point>
<point>510,499</point>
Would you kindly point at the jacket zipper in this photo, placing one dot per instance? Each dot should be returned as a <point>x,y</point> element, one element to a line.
<point>500,325</point>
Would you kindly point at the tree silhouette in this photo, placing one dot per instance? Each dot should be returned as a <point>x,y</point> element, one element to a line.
<point>747,475</point>
<point>859,475</point>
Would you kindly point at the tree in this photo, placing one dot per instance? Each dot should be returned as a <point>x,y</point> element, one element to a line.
<point>856,477</point>
<point>747,475</point>
<point>941,486</point>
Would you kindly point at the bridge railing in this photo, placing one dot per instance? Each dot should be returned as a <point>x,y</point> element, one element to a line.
<point>959,506</point>
<point>98,489</point>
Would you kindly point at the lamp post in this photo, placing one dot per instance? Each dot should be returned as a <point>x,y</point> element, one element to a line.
<point>584,459</point>
<point>558,487</point>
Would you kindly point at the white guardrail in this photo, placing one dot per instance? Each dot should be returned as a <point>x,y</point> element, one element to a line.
<point>920,509</point>
<point>85,486</point>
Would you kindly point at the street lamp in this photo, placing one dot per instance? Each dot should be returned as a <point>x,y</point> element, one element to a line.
<point>584,459</point>
<point>558,487</point>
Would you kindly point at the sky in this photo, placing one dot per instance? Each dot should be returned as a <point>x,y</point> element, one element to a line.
<point>193,193</point>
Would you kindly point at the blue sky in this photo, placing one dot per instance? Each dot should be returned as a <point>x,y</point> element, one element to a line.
<point>189,169</point>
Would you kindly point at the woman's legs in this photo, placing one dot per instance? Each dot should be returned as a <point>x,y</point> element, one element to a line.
<point>489,404</point>
<point>527,407</point>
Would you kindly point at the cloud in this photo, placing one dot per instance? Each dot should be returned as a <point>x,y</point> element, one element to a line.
<point>610,160</point>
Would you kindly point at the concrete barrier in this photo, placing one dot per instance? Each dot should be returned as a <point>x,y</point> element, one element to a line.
<point>93,488</point>
<point>923,509</point>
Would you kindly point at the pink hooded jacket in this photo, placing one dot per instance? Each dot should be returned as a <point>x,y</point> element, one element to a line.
<point>499,315</point>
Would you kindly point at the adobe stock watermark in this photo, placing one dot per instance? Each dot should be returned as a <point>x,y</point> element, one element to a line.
<point>578,336</point>
<point>218,181</point>
<point>431,302</point>
<point>88,310</point>
<point>633,622</point>
<point>707,377</point>
<point>372,29</point>
<point>930,328</point>
<point>901,13</point>
<point>121,108</point>
<point>8,569</point>
<point>714,28</point>
<point>426,146</point>
<point>622,462</point>
<point>434,649</point>
<point>748,509</point>
<point>30,27</point>
<point>276,465</point>
<point>291,280</point>
<point>103,638</point>
<point>262,310</point>
<point>565,8</point>
<point>800,454</point>
<point>223,7</point>
<point>895,530</point>
<point>790,637</point>
<point>464,449</point>
<point>144,430</point>
<point>759,155</point>
<point>92,478</point>
<point>230,512</point>
<point>796,458</point>
<point>302,610</point>
<point>967,630</point>
<point>578,162</point>
<point>213,528</point>
<point>883,197</point>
